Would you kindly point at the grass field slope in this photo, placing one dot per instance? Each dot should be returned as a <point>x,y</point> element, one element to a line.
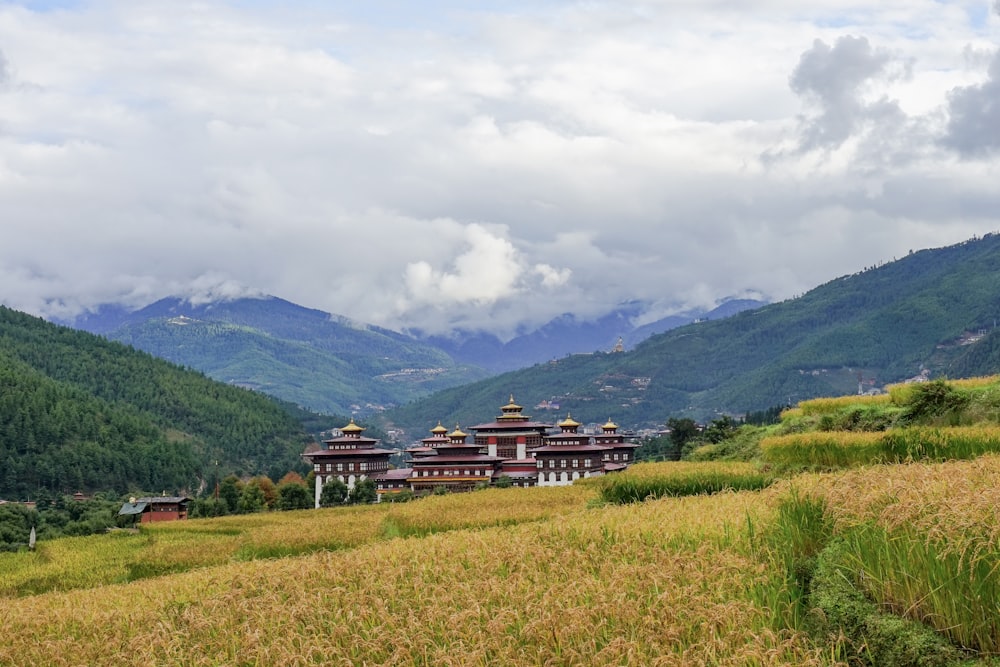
<point>885,557</point>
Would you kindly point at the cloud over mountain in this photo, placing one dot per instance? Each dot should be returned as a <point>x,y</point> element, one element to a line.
<point>484,167</point>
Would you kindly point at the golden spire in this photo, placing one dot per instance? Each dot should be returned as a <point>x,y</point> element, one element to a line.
<point>569,422</point>
<point>351,428</point>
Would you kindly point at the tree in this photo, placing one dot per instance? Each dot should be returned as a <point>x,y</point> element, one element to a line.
<point>504,482</point>
<point>230,491</point>
<point>334,493</point>
<point>292,477</point>
<point>252,499</point>
<point>401,496</point>
<point>293,496</point>
<point>208,506</point>
<point>721,429</point>
<point>363,492</point>
<point>268,488</point>
<point>682,430</point>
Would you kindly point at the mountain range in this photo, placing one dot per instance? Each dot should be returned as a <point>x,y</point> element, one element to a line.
<point>569,334</point>
<point>335,365</point>
<point>931,313</point>
<point>78,411</point>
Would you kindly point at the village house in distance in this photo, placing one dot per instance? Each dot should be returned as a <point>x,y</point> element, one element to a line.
<point>512,446</point>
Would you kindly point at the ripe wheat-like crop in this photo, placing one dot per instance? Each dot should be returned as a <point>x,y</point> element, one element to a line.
<point>924,539</point>
<point>822,406</point>
<point>645,481</point>
<point>661,583</point>
<point>841,449</point>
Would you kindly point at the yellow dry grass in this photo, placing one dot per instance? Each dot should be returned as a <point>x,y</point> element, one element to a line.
<point>662,583</point>
<point>823,406</point>
<point>955,504</point>
<point>923,540</point>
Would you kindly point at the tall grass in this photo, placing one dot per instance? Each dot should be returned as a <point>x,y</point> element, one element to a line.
<point>924,541</point>
<point>663,583</point>
<point>165,548</point>
<point>822,406</point>
<point>844,449</point>
<point>646,481</point>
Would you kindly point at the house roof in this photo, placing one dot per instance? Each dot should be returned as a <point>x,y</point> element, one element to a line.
<point>565,449</point>
<point>395,474</point>
<point>445,459</point>
<point>163,500</point>
<point>511,426</point>
<point>334,453</point>
<point>132,508</point>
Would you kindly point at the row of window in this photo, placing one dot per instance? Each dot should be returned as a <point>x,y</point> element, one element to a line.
<point>364,466</point>
<point>564,463</point>
<point>449,472</point>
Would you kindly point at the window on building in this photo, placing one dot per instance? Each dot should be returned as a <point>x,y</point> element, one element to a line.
<point>329,467</point>
<point>540,464</point>
<point>364,467</point>
<point>562,463</point>
<point>625,456</point>
<point>316,467</point>
<point>576,463</point>
<point>340,467</point>
<point>552,463</point>
<point>586,463</point>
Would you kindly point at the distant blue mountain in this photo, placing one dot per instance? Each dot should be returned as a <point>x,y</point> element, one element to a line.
<point>320,361</point>
<point>332,364</point>
<point>569,334</point>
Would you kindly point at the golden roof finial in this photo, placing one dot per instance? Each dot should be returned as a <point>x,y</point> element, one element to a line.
<point>568,422</point>
<point>351,428</point>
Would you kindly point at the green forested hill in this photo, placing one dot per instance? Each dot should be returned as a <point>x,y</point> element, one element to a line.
<point>78,412</point>
<point>298,354</point>
<point>931,311</point>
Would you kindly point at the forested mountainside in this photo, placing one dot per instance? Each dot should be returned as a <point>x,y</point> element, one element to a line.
<point>305,356</point>
<point>931,313</point>
<point>80,413</point>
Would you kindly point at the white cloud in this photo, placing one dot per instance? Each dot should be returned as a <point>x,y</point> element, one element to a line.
<point>462,167</point>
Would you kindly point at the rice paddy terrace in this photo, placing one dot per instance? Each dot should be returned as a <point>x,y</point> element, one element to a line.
<point>883,552</point>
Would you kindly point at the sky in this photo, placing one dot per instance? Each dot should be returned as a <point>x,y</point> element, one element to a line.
<point>453,164</point>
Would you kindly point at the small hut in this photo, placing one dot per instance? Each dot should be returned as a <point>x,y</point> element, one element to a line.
<point>157,508</point>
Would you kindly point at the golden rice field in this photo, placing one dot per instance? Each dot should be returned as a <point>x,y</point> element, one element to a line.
<point>517,576</point>
<point>821,406</point>
<point>662,583</point>
<point>647,481</point>
<point>840,449</point>
<point>900,393</point>
<point>925,541</point>
<point>123,556</point>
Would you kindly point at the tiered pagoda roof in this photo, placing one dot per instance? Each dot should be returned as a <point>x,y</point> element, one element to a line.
<point>511,419</point>
<point>349,443</point>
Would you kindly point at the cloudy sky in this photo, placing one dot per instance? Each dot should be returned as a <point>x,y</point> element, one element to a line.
<point>452,163</point>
